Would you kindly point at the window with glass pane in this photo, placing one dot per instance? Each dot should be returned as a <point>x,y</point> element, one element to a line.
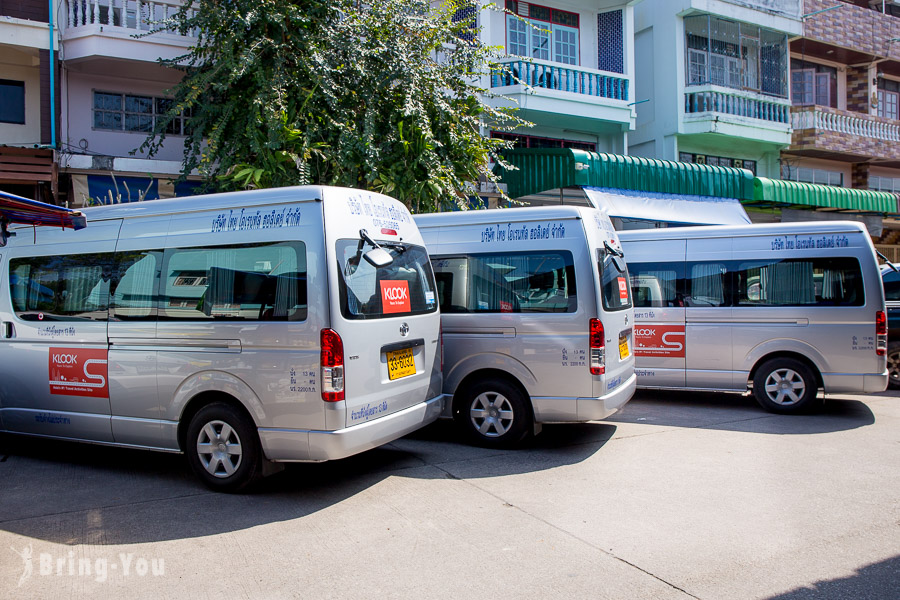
<point>891,281</point>
<point>540,41</point>
<point>566,45</point>
<point>799,282</point>
<point>514,282</point>
<point>705,284</point>
<point>656,285</point>
<point>12,101</point>
<point>133,294</point>
<point>614,284</point>
<point>253,282</point>
<point>516,36</point>
<point>363,286</point>
<point>62,288</point>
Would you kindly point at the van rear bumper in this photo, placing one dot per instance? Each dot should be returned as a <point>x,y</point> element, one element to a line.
<point>573,410</point>
<point>301,445</point>
<point>855,383</point>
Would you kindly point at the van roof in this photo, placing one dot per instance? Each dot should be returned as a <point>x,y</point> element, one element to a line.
<point>713,231</point>
<point>241,199</point>
<point>492,215</point>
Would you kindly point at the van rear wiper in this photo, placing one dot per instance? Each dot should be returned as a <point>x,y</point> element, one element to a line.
<point>378,257</point>
<point>612,250</point>
<point>889,263</point>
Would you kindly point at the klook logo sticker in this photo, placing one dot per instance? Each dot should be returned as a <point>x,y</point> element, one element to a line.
<point>659,340</point>
<point>395,296</point>
<point>79,372</point>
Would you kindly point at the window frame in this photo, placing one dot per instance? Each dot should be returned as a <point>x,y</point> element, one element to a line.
<point>157,111</point>
<point>12,119</point>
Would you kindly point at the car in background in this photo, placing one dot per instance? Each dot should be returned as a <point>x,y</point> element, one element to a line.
<point>890,277</point>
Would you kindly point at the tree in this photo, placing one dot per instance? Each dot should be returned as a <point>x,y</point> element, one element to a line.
<point>381,95</point>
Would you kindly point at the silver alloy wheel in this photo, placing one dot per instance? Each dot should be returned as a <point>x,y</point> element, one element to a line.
<point>491,414</point>
<point>893,365</point>
<point>219,449</point>
<point>785,387</point>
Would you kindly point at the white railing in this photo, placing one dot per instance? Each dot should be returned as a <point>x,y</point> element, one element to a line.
<point>742,104</point>
<point>561,77</point>
<point>130,15</point>
<point>852,124</point>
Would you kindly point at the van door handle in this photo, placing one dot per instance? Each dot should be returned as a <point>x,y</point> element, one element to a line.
<point>7,329</point>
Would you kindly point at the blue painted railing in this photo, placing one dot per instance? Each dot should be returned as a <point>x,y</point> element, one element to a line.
<point>736,104</point>
<point>561,77</point>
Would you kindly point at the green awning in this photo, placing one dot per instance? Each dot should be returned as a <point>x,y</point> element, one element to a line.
<point>777,191</point>
<point>551,168</point>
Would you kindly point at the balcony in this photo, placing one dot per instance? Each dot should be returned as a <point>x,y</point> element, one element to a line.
<point>118,29</point>
<point>738,113</point>
<point>830,133</point>
<point>575,96</point>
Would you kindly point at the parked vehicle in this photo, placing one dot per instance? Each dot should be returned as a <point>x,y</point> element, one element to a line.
<point>890,277</point>
<point>784,309</point>
<point>243,329</point>
<point>536,313</point>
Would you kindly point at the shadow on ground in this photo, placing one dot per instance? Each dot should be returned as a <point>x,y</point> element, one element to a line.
<point>734,412</point>
<point>71,493</point>
<point>876,581</point>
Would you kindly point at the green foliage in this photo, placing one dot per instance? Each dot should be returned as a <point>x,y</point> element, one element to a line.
<point>382,96</point>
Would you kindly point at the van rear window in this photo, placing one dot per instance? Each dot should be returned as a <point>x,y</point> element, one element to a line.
<point>616,289</point>
<point>404,287</point>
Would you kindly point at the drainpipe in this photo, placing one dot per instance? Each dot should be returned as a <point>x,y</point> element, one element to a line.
<point>52,81</point>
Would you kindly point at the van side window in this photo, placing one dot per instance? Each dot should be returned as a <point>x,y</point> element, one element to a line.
<point>513,282</point>
<point>74,287</point>
<point>657,285</point>
<point>133,296</point>
<point>250,282</point>
<point>799,282</point>
<point>706,284</point>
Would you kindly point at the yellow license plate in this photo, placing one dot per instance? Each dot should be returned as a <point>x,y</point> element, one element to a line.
<point>623,347</point>
<point>400,363</point>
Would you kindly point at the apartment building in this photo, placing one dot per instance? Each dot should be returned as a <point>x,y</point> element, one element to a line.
<point>28,48</point>
<point>712,81</point>
<point>571,71</point>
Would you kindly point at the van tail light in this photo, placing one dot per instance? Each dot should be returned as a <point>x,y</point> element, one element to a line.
<point>332,366</point>
<point>597,349</point>
<point>881,331</point>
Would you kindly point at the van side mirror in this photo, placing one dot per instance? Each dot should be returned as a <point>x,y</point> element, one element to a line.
<point>4,232</point>
<point>378,257</point>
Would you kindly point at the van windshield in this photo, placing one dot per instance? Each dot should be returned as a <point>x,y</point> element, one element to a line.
<point>614,281</point>
<point>405,287</point>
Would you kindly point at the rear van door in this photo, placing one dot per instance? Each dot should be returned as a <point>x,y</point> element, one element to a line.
<point>385,316</point>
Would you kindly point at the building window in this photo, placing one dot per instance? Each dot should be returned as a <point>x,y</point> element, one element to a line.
<point>540,32</point>
<point>465,17</point>
<point>718,161</point>
<point>888,99</point>
<point>735,55</point>
<point>808,175</point>
<point>12,101</point>
<point>531,141</point>
<point>610,42</point>
<point>812,83</point>
<point>133,113</point>
<point>884,184</point>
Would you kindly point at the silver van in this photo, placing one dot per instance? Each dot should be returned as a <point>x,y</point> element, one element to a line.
<point>293,324</point>
<point>786,310</point>
<point>536,314</point>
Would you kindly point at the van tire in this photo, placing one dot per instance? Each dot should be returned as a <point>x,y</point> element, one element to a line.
<point>223,448</point>
<point>786,386</point>
<point>893,365</point>
<point>493,413</point>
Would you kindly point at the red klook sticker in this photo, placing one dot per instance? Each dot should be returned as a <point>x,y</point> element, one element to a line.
<point>623,289</point>
<point>659,340</point>
<point>395,296</point>
<point>79,372</point>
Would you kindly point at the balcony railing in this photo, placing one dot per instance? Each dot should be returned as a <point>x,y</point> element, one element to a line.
<point>563,78</point>
<point>130,15</point>
<point>738,104</point>
<point>855,125</point>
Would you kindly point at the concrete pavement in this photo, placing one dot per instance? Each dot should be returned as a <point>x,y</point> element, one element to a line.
<point>680,496</point>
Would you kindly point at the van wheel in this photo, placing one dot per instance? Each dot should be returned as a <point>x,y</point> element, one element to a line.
<point>222,448</point>
<point>893,365</point>
<point>493,413</point>
<point>786,386</point>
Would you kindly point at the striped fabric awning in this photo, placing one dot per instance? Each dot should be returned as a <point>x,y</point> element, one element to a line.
<point>15,209</point>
